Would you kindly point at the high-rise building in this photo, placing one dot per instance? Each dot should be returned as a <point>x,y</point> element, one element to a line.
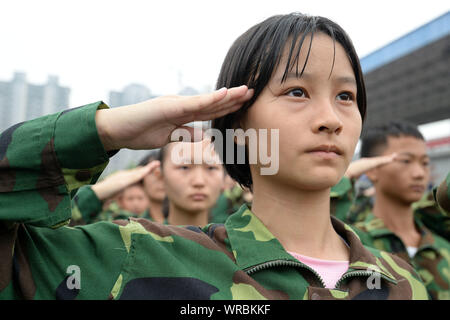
<point>22,101</point>
<point>131,94</point>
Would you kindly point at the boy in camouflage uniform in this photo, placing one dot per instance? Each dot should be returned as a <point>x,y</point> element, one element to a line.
<point>44,160</point>
<point>394,224</point>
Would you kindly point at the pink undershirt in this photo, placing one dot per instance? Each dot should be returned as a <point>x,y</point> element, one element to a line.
<point>329,270</point>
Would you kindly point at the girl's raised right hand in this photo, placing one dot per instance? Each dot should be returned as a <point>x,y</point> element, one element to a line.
<point>149,124</point>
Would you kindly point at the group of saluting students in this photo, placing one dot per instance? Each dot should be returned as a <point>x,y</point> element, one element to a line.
<point>207,230</point>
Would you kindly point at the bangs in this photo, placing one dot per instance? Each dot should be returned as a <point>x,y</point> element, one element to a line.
<point>256,55</point>
<point>274,38</point>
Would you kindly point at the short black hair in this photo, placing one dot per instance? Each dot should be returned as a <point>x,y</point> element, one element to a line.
<point>255,55</point>
<point>375,138</point>
<point>151,156</point>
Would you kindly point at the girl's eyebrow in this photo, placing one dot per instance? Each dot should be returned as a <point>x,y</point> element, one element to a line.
<point>309,76</point>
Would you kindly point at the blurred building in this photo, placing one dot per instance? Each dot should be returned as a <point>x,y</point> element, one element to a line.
<point>21,101</point>
<point>409,79</point>
<point>132,94</point>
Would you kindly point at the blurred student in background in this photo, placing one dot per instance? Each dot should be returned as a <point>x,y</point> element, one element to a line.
<point>392,224</point>
<point>193,181</point>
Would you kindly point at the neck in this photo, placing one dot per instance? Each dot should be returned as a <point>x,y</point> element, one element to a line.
<point>398,216</point>
<point>299,219</point>
<point>156,211</point>
<point>178,216</point>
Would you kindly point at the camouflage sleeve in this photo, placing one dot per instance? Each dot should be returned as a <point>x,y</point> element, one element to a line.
<point>41,165</point>
<point>442,195</point>
<point>342,196</point>
<point>431,209</point>
<point>86,206</point>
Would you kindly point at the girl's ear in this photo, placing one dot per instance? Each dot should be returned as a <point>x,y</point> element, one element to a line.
<point>158,172</point>
<point>239,137</point>
<point>239,132</point>
<point>372,174</point>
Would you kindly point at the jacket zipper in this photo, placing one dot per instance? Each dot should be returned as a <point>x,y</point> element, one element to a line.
<point>279,263</point>
<point>282,263</point>
<point>361,273</point>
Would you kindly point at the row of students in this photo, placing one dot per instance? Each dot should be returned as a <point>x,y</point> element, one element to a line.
<point>391,222</point>
<point>190,190</point>
<point>396,162</point>
<point>293,72</point>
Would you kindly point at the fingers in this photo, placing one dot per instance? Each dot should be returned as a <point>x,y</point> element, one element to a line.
<point>378,161</point>
<point>141,172</point>
<point>221,102</point>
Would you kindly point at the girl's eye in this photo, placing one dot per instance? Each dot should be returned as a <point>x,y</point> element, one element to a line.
<point>297,92</point>
<point>345,96</point>
<point>183,167</point>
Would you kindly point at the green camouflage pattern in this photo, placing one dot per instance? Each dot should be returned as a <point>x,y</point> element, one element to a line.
<point>342,197</point>
<point>426,210</point>
<point>87,208</point>
<point>432,260</point>
<point>229,202</point>
<point>432,215</point>
<point>40,165</point>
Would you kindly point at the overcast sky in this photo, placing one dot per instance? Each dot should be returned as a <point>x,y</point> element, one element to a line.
<point>95,46</point>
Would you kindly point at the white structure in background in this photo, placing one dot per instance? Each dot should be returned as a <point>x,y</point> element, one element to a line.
<point>437,136</point>
<point>21,101</point>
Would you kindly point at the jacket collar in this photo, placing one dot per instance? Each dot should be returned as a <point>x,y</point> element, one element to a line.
<point>376,228</point>
<point>253,244</point>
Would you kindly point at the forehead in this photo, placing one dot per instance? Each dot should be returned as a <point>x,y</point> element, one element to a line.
<point>192,153</point>
<point>134,189</point>
<point>319,55</point>
<point>405,145</point>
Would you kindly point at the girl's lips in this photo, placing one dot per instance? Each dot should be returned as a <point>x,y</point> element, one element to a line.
<point>417,188</point>
<point>326,148</point>
<point>325,155</point>
<point>198,196</point>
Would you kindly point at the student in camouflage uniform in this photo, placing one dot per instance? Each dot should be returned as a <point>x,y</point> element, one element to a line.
<point>88,203</point>
<point>344,197</point>
<point>306,80</point>
<point>193,181</point>
<point>154,186</point>
<point>392,224</point>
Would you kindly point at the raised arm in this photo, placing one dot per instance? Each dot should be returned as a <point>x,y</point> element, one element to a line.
<point>343,195</point>
<point>42,164</point>
<point>87,204</point>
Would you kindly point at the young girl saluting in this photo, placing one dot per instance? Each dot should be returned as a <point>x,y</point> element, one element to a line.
<point>306,81</point>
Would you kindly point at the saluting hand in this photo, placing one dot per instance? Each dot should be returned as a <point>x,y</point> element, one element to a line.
<point>360,166</point>
<point>149,124</point>
<point>119,180</point>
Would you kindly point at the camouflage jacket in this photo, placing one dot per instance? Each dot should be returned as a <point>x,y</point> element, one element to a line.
<point>42,161</point>
<point>352,209</point>
<point>87,208</point>
<point>229,202</point>
<point>431,261</point>
<point>342,197</point>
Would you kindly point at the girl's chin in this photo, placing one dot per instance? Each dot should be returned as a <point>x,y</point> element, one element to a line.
<point>311,180</point>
